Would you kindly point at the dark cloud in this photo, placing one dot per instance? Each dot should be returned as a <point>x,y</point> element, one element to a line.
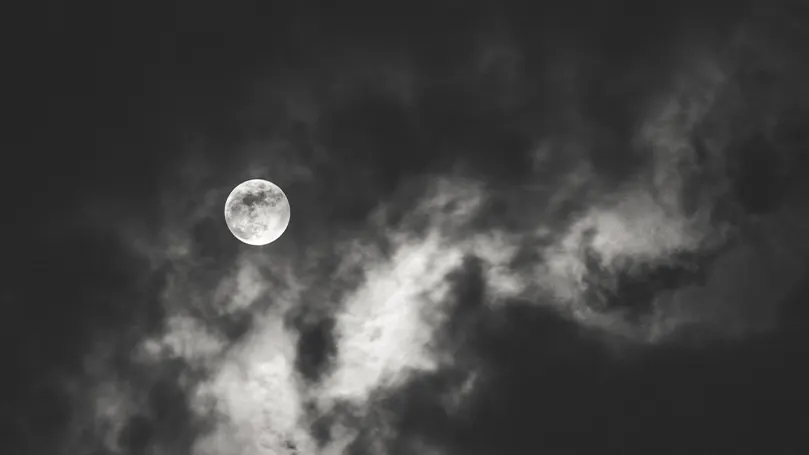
<point>563,228</point>
<point>316,346</point>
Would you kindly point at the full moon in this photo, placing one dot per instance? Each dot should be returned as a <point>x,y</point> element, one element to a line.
<point>257,212</point>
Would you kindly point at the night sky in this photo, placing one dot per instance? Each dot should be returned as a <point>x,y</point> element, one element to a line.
<point>564,227</point>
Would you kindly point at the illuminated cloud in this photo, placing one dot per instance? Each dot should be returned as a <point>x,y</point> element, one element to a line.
<point>413,300</point>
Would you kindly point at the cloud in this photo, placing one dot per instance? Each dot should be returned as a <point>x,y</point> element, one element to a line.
<point>423,310</point>
<point>384,326</point>
<point>255,396</point>
<point>381,331</point>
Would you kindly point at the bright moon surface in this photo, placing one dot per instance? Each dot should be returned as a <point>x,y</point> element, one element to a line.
<point>257,212</point>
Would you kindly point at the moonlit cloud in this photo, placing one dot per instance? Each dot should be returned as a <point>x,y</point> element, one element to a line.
<point>383,329</point>
<point>255,396</point>
<point>384,288</point>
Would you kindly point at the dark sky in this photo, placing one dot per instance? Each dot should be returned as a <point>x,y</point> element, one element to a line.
<point>562,227</point>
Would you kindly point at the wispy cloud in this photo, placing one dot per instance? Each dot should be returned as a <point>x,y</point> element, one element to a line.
<point>306,345</point>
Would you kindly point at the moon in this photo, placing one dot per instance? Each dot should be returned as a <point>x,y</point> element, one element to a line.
<point>257,212</point>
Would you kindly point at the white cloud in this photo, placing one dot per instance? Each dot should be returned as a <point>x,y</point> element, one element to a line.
<point>255,397</point>
<point>241,290</point>
<point>384,326</point>
<point>183,337</point>
<point>383,330</point>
